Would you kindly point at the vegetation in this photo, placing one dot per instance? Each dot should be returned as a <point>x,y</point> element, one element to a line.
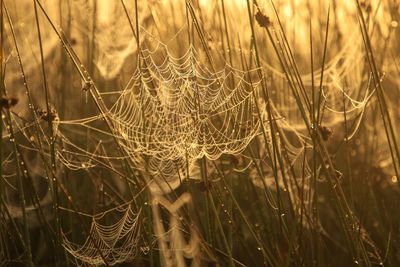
<point>199,132</point>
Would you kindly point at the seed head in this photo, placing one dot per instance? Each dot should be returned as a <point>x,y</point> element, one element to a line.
<point>366,5</point>
<point>204,186</point>
<point>326,132</point>
<point>42,114</point>
<point>8,102</point>
<point>263,20</point>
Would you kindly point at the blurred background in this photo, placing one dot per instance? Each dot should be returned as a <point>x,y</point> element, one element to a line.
<point>199,133</point>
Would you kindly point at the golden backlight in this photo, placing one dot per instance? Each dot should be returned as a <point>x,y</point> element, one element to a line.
<point>199,133</point>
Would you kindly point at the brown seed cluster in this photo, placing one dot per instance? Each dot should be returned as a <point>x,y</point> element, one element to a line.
<point>366,5</point>
<point>8,102</point>
<point>44,115</point>
<point>204,186</point>
<point>326,132</point>
<point>263,20</point>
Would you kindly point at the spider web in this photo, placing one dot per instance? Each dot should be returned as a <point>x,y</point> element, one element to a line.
<point>111,243</point>
<point>173,112</point>
<point>342,91</point>
<point>176,110</point>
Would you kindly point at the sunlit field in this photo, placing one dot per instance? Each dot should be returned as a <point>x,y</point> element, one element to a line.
<point>200,133</point>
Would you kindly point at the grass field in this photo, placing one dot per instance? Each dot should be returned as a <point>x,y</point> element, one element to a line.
<point>200,133</point>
